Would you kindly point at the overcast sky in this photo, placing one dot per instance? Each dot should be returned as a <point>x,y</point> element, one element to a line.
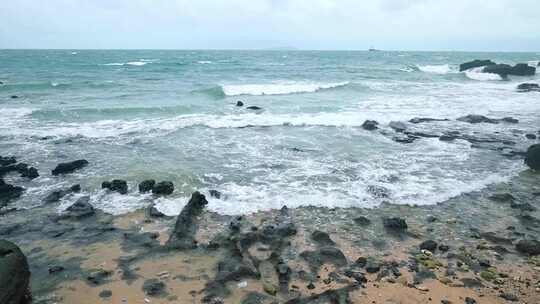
<point>483,25</point>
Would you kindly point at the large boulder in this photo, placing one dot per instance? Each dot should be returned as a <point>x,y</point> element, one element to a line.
<point>163,188</point>
<point>80,209</point>
<point>475,64</point>
<point>528,87</point>
<point>14,274</point>
<point>147,185</point>
<point>503,70</point>
<point>532,158</point>
<point>531,247</point>
<point>69,167</point>
<point>183,235</point>
<point>116,185</point>
<point>370,125</point>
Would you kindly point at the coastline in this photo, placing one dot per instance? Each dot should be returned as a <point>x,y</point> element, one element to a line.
<point>366,262</point>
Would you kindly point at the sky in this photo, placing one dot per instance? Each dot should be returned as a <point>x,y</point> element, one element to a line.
<point>468,25</point>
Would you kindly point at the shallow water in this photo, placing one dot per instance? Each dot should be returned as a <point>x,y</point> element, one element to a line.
<point>171,115</point>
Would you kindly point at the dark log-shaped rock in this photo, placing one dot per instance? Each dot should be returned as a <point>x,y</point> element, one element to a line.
<point>69,167</point>
<point>475,64</point>
<point>14,274</point>
<point>255,108</point>
<point>183,235</point>
<point>532,158</point>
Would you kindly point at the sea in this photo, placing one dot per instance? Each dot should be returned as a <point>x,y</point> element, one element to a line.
<point>173,115</point>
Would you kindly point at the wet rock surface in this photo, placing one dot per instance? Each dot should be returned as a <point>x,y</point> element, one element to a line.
<point>14,274</point>
<point>69,167</point>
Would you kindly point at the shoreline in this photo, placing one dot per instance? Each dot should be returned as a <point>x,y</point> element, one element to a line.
<point>302,255</point>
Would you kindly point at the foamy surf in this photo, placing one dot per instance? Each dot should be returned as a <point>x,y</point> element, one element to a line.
<point>477,74</point>
<point>436,69</point>
<point>279,88</point>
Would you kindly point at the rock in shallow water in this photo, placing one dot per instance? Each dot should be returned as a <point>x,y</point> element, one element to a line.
<point>370,125</point>
<point>395,223</point>
<point>9,192</point>
<point>528,87</point>
<point>163,188</point>
<point>80,209</point>
<point>14,274</point>
<point>69,167</point>
<point>116,185</point>
<point>475,64</point>
<point>147,185</point>
<point>531,247</point>
<point>532,158</point>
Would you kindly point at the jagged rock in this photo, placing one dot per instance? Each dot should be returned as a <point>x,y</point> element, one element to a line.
<point>7,160</point>
<point>475,64</point>
<point>21,168</point>
<point>509,297</point>
<point>9,192</point>
<point>322,238</point>
<point>504,70</point>
<point>163,188</point>
<point>80,209</point>
<point>532,158</point>
<point>183,235</point>
<point>528,87</point>
<point>116,185</point>
<point>147,185</point>
<point>215,193</point>
<point>372,265</point>
<point>474,119</point>
<point>57,195</point>
<point>395,223</point>
<point>239,104</point>
<point>105,294</point>
<point>14,274</point>
<point>69,167</point>
<point>154,212</point>
<point>531,247</point>
<point>370,125</point>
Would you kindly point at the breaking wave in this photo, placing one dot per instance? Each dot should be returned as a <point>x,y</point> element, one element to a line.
<point>278,88</point>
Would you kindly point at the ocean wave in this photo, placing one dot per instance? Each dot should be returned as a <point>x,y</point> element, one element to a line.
<point>204,62</point>
<point>278,88</point>
<point>436,69</point>
<point>140,62</point>
<point>477,74</point>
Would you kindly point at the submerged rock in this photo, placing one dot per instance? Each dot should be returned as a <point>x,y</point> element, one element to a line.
<point>475,64</point>
<point>239,103</point>
<point>64,168</point>
<point>147,185</point>
<point>215,193</point>
<point>322,238</point>
<point>183,234</point>
<point>418,120</point>
<point>9,192</point>
<point>163,188</point>
<point>530,136</point>
<point>116,185</point>
<point>254,108</point>
<point>528,87</point>
<point>398,126</point>
<point>474,119</point>
<point>80,209</point>
<point>429,245</point>
<point>14,274</point>
<point>370,125</point>
<point>532,158</point>
<point>57,195</point>
<point>504,70</point>
<point>531,247</point>
<point>362,221</point>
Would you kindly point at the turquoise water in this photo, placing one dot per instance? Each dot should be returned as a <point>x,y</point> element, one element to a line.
<point>171,115</point>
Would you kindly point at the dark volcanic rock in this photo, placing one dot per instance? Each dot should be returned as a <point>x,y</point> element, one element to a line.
<point>147,185</point>
<point>509,120</point>
<point>80,209</point>
<point>21,168</point>
<point>532,158</point>
<point>418,120</point>
<point>69,167</point>
<point>475,64</point>
<point>7,160</point>
<point>370,125</point>
<point>530,136</point>
<point>509,297</point>
<point>98,277</point>
<point>429,245</point>
<point>239,104</point>
<point>116,185</point>
<point>395,223</point>
<point>183,235</point>
<point>470,300</point>
<point>531,247</point>
<point>477,119</point>
<point>322,238</point>
<point>378,191</point>
<point>362,221</point>
<point>503,70</point>
<point>528,87</point>
<point>163,188</point>
<point>256,108</point>
<point>398,126</point>
<point>153,212</point>
<point>326,254</point>
<point>215,193</point>
<point>9,192</point>
<point>14,274</point>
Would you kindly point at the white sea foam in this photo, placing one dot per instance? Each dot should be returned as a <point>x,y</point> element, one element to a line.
<point>204,62</point>
<point>436,69</point>
<point>137,63</point>
<point>477,74</point>
<point>278,88</point>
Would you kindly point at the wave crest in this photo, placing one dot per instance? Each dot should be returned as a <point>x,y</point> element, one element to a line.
<point>436,69</point>
<point>278,88</point>
<point>477,74</point>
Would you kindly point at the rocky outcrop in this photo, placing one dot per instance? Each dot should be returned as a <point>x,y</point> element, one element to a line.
<point>9,164</point>
<point>474,119</point>
<point>57,195</point>
<point>504,70</point>
<point>163,188</point>
<point>418,120</point>
<point>395,224</point>
<point>69,167</point>
<point>239,103</point>
<point>475,64</point>
<point>116,185</point>
<point>532,158</point>
<point>80,209</point>
<point>528,87</point>
<point>14,274</point>
<point>370,125</point>
<point>530,247</point>
<point>183,235</point>
<point>398,126</point>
